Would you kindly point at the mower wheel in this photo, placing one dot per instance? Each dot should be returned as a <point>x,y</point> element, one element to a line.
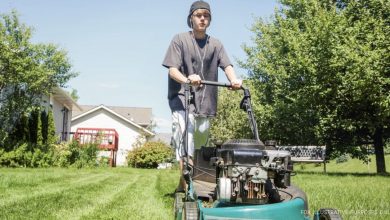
<point>327,214</point>
<point>190,211</point>
<point>178,205</point>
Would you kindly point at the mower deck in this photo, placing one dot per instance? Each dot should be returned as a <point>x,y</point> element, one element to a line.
<point>204,189</point>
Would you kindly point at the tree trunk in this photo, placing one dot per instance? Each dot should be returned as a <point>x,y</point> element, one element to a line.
<point>379,152</point>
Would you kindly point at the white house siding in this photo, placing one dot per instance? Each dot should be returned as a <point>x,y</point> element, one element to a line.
<point>101,118</point>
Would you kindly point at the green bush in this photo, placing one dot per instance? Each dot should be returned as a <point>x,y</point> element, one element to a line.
<point>149,155</point>
<point>45,155</point>
<point>41,159</point>
<point>75,155</point>
<point>387,147</point>
<point>26,155</point>
<point>62,155</point>
<point>342,158</point>
<point>18,157</point>
<point>103,161</point>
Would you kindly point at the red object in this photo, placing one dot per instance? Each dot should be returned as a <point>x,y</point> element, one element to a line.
<point>107,138</point>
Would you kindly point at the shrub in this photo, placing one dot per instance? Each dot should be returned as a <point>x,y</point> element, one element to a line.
<point>342,158</point>
<point>41,159</point>
<point>149,155</point>
<point>27,155</point>
<point>87,156</point>
<point>75,155</point>
<point>46,155</point>
<point>103,161</point>
<point>19,157</point>
<point>387,147</point>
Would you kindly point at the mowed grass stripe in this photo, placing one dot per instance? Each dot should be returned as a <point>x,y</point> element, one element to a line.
<point>137,201</point>
<point>13,195</point>
<point>23,181</point>
<point>166,184</point>
<point>93,201</point>
<point>44,206</point>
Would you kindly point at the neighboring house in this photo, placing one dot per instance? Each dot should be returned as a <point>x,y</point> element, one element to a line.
<point>163,137</point>
<point>129,124</point>
<point>62,105</point>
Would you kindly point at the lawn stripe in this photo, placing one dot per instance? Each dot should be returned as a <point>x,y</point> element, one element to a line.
<point>18,185</point>
<point>113,188</point>
<point>137,201</point>
<point>45,205</point>
<point>31,193</point>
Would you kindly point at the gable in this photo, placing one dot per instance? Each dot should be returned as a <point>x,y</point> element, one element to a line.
<point>102,117</point>
<point>140,116</point>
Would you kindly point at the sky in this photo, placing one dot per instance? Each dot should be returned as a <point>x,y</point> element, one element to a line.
<point>117,46</point>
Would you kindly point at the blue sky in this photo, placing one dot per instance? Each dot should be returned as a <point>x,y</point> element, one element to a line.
<point>117,47</point>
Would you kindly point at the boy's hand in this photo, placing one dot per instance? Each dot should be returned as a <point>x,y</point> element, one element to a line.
<point>236,84</point>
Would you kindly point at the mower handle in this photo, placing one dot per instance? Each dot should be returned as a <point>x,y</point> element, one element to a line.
<point>213,83</point>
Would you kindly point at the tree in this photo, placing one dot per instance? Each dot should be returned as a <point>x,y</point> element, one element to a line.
<point>44,122</point>
<point>323,68</point>
<point>231,122</point>
<point>27,71</point>
<point>51,130</point>
<point>40,127</point>
<point>74,94</point>
<point>33,126</point>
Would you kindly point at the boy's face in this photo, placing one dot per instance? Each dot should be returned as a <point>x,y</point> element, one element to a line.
<point>200,20</point>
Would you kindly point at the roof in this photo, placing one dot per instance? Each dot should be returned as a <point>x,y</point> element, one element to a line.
<point>140,116</point>
<point>63,97</point>
<point>164,137</point>
<point>96,108</point>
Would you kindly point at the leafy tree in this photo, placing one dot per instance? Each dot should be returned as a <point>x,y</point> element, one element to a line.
<point>231,122</point>
<point>323,68</point>
<point>74,94</point>
<point>45,125</point>
<point>51,130</point>
<point>33,126</point>
<point>20,133</point>
<point>27,71</point>
<point>40,127</point>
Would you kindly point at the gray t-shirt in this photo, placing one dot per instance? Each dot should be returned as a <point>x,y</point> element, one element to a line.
<point>202,57</point>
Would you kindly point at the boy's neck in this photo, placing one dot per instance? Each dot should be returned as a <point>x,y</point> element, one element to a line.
<point>199,34</point>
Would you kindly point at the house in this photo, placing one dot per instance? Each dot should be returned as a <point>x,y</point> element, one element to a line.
<point>62,105</point>
<point>122,126</point>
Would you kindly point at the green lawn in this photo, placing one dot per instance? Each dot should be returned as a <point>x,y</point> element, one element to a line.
<point>352,187</point>
<point>119,193</point>
<point>125,193</point>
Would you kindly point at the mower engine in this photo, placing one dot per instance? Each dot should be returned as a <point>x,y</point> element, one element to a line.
<point>249,172</point>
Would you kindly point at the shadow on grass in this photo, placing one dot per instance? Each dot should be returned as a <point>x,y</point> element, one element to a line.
<point>169,195</point>
<point>344,174</point>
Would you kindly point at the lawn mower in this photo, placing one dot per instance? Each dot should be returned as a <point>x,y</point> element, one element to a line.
<point>241,179</point>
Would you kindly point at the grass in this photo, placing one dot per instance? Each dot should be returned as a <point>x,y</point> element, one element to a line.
<point>352,166</point>
<point>352,187</point>
<point>126,193</point>
<point>120,193</point>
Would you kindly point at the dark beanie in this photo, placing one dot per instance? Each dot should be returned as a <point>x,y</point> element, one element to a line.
<point>195,6</point>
